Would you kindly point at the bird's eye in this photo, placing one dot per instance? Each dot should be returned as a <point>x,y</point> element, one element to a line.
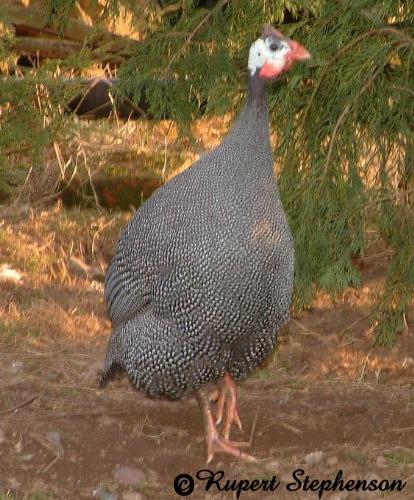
<point>274,46</point>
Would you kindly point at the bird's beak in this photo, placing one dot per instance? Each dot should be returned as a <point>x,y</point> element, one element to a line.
<point>299,53</point>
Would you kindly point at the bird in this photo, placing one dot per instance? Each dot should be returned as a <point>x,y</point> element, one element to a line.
<point>202,276</point>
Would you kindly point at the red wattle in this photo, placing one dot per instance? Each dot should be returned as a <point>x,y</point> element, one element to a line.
<point>269,70</point>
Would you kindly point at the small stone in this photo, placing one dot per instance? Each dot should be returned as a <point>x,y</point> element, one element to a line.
<point>130,495</point>
<point>381,461</point>
<point>273,466</point>
<point>332,461</point>
<point>7,273</point>
<point>103,494</point>
<point>16,367</point>
<point>126,474</point>
<point>314,458</point>
<point>54,438</point>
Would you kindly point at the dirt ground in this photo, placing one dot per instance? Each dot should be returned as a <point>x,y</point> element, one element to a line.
<point>327,400</point>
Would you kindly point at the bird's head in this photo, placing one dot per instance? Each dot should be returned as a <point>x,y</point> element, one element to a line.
<point>273,54</point>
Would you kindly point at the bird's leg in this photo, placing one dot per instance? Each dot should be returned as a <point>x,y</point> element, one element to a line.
<point>215,443</point>
<point>227,396</point>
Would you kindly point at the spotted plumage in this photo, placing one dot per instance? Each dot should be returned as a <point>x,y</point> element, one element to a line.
<point>202,277</point>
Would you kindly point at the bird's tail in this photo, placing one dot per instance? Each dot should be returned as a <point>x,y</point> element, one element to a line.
<point>112,365</point>
<point>108,373</point>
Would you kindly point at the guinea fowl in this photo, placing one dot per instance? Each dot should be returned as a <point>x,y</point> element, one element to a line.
<point>202,277</point>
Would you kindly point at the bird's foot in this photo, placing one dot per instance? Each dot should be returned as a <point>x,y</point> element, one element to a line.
<point>216,443</point>
<point>226,397</point>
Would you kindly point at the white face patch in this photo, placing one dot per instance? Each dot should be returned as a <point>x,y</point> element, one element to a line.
<point>260,52</point>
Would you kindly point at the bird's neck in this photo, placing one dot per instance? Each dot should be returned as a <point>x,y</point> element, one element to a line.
<point>257,93</point>
<point>252,124</point>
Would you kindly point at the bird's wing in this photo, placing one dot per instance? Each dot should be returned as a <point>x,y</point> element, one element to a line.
<point>153,246</point>
<point>147,254</point>
<point>131,273</point>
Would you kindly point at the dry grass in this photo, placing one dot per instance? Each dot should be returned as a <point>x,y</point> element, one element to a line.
<point>50,301</point>
<point>40,243</point>
<point>92,150</point>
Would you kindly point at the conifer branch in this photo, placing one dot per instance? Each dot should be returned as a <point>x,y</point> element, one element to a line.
<point>220,5</point>
<point>369,16</point>
<point>345,48</point>
<point>345,111</point>
<point>348,106</point>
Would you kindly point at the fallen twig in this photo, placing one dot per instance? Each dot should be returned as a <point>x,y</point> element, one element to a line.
<point>348,328</point>
<point>291,428</point>
<point>20,406</point>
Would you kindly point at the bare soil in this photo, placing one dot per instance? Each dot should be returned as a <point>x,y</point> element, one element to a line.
<point>327,388</point>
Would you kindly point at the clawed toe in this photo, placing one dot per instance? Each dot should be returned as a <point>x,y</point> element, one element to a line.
<point>218,444</point>
<point>225,401</point>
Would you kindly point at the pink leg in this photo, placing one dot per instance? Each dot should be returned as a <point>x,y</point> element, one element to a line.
<point>226,396</point>
<point>215,443</point>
